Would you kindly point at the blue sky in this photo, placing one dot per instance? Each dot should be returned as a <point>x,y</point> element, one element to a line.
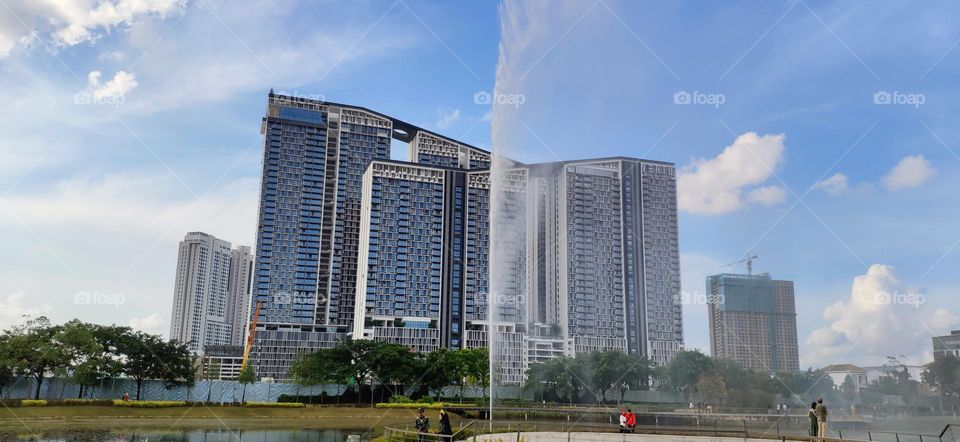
<point>102,174</point>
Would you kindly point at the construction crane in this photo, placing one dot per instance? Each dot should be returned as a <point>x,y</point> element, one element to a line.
<point>749,260</point>
<point>253,327</point>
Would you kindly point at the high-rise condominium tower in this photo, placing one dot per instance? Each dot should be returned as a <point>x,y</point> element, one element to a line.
<point>315,154</point>
<point>211,292</point>
<point>354,245</point>
<point>753,321</point>
<point>240,288</point>
<point>593,261</point>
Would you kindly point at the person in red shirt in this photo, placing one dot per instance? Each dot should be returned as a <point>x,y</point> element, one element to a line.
<point>631,420</point>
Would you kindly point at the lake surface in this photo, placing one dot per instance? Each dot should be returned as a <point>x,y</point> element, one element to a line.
<point>196,436</point>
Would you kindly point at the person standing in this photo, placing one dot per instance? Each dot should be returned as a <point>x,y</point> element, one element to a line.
<point>812,414</point>
<point>445,428</point>
<point>623,420</point>
<point>423,425</point>
<point>821,411</point>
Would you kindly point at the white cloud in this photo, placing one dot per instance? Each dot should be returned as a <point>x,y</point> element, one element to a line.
<point>881,317</point>
<point>836,184</point>
<point>768,195</point>
<point>911,171</point>
<point>115,56</point>
<point>447,118</point>
<point>68,23</point>
<point>153,324</point>
<point>139,204</point>
<point>117,87</point>
<point>716,186</point>
<point>13,310</point>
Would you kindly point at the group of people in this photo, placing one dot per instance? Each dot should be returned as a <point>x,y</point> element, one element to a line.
<point>818,418</point>
<point>702,407</point>
<point>423,423</point>
<point>628,420</point>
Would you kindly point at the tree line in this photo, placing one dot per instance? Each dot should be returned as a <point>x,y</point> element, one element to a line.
<point>88,354</point>
<point>394,366</point>
<point>589,377</point>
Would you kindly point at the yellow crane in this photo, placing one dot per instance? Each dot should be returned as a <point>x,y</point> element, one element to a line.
<point>250,332</point>
<point>749,260</point>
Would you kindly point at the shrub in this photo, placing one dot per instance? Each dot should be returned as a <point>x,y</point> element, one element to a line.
<point>430,406</point>
<point>274,405</point>
<point>95,402</point>
<point>148,404</point>
<point>400,399</point>
<point>33,403</point>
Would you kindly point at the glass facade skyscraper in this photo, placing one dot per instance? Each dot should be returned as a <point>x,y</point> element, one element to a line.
<point>354,245</point>
<point>315,154</point>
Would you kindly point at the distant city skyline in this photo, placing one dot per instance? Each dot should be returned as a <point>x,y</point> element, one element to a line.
<point>805,132</point>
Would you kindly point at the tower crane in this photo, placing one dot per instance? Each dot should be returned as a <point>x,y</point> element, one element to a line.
<point>749,260</point>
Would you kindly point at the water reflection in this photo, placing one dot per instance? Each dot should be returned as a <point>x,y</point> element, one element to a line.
<point>218,435</point>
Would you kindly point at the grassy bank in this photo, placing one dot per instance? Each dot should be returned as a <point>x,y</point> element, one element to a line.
<point>32,419</point>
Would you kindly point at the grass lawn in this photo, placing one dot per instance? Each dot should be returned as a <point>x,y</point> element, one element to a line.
<point>33,419</point>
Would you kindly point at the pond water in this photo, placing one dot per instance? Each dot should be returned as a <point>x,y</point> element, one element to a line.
<point>218,435</point>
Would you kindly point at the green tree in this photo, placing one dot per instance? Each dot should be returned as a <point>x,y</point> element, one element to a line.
<point>33,350</point>
<point>439,370</point>
<point>6,365</point>
<point>393,365</point>
<point>944,375</point>
<point>246,376</point>
<point>849,388</point>
<point>684,370</point>
<point>104,363</point>
<point>349,360</point>
<point>546,377</point>
<point>83,355</point>
<point>712,387</point>
<point>471,367</point>
<point>146,356</point>
<point>614,370</point>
